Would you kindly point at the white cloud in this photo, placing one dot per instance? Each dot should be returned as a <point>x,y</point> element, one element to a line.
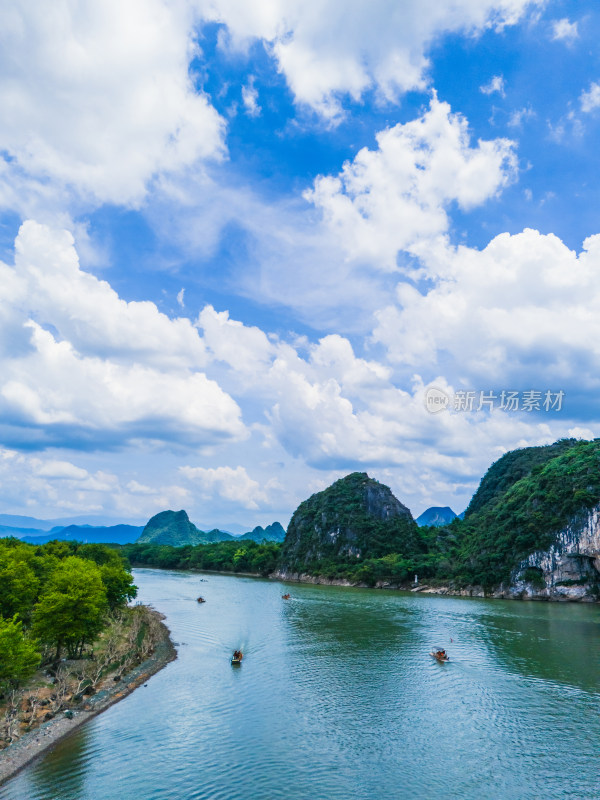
<point>54,486</point>
<point>496,84</point>
<point>97,98</point>
<point>80,364</point>
<point>60,470</point>
<point>520,115</point>
<point>88,313</point>
<point>180,300</point>
<point>563,30</point>
<point>498,315</point>
<point>388,199</point>
<point>590,100</point>
<point>231,484</point>
<point>333,411</point>
<point>326,48</point>
<point>250,98</point>
<point>581,433</point>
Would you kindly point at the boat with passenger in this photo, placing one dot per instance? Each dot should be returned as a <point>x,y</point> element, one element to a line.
<point>440,654</point>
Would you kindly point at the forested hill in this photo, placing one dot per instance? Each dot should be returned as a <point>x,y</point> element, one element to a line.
<point>513,466</point>
<point>355,519</point>
<point>524,501</point>
<point>529,500</point>
<point>174,528</point>
<point>356,529</point>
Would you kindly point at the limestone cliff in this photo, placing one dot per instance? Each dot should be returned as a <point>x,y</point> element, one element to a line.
<point>569,569</point>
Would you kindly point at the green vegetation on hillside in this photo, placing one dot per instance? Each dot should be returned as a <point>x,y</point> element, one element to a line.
<point>556,492</point>
<point>245,556</point>
<point>355,519</point>
<point>512,467</point>
<point>174,528</point>
<point>525,499</point>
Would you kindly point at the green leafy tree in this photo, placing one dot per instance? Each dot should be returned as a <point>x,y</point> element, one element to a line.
<point>18,585</point>
<point>19,657</point>
<point>118,584</point>
<point>71,610</point>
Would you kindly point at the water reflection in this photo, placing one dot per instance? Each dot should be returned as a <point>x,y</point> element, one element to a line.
<point>64,765</point>
<point>338,698</point>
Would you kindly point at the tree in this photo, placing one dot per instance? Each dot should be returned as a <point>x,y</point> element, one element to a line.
<point>19,657</point>
<point>118,583</point>
<point>18,585</point>
<point>71,610</point>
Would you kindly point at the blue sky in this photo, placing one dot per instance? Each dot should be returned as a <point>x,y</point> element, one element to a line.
<point>240,244</point>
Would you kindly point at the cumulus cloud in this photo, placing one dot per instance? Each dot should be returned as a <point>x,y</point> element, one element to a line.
<point>52,485</point>
<point>326,48</point>
<point>228,483</point>
<point>590,100</point>
<point>87,312</point>
<point>563,30</point>
<point>334,411</point>
<point>102,101</point>
<point>390,198</point>
<point>496,84</point>
<point>81,365</point>
<point>499,314</point>
<point>488,316</point>
<point>250,98</point>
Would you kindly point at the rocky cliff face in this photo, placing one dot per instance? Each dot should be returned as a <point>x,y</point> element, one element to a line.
<point>569,569</point>
<point>353,519</point>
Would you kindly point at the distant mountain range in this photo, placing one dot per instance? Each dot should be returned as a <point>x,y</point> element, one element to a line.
<point>174,528</point>
<point>21,522</point>
<point>272,533</point>
<point>90,534</point>
<point>437,516</point>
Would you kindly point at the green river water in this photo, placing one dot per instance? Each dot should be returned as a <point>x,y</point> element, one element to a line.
<point>337,697</point>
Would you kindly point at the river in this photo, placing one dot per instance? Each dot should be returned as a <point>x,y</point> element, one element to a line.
<point>337,697</point>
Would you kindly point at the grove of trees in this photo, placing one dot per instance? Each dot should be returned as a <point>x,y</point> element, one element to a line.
<point>55,599</point>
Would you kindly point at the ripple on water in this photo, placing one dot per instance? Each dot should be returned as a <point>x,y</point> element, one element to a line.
<point>337,697</point>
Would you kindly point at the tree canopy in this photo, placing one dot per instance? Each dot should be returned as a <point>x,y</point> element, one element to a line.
<point>58,596</point>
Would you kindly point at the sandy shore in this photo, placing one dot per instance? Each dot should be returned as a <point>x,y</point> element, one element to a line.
<point>35,742</point>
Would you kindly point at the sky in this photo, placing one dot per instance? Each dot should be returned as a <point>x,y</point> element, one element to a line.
<point>246,249</point>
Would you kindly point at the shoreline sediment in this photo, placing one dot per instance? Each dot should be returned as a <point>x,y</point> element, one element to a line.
<point>41,739</point>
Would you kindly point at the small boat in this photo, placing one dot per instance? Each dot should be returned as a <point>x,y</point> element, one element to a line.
<point>236,658</point>
<point>201,600</point>
<point>286,596</point>
<point>440,655</point>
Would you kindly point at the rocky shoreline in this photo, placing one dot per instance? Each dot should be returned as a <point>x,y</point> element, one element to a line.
<point>520,591</point>
<point>32,744</point>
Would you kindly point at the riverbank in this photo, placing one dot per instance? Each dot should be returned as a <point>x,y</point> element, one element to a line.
<point>37,741</point>
<point>522,590</point>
